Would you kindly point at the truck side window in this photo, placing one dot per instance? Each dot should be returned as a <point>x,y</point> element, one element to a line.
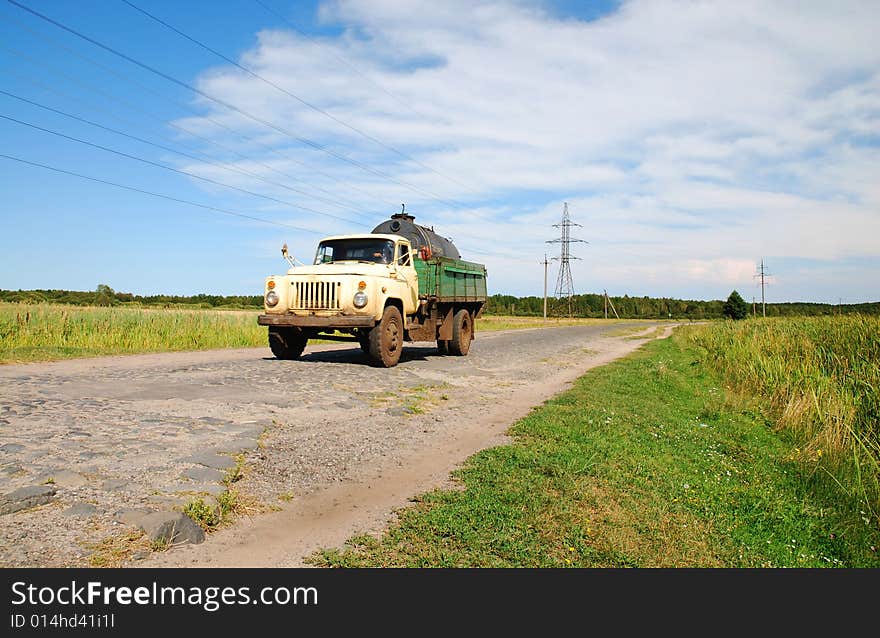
<point>325,254</point>
<point>404,260</point>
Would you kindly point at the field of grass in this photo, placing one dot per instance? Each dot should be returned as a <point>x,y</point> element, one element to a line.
<point>818,380</point>
<point>647,462</point>
<point>44,332</point>
<point>40,332</point>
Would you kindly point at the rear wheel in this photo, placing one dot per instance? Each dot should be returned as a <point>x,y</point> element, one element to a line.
<point>462,333</point>
<point>286,343</point>
<point>386,339</point>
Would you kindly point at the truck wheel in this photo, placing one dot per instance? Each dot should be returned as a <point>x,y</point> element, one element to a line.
<point>442,346</point>
<point>364,342</point>
<point>286,343</point>
<point>386,339</point>
<point>462,333</point>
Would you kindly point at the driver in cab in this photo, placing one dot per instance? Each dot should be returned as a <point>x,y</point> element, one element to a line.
<point>384,256</point>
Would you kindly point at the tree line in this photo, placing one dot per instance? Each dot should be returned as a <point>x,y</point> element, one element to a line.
<point>586,305</point>
<point>593,305</point>
<point>104,295</point>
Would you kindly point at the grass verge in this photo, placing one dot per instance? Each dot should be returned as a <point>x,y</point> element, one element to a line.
<point>646,462</point>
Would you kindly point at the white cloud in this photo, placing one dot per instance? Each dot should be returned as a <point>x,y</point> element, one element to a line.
<point>690,139</point>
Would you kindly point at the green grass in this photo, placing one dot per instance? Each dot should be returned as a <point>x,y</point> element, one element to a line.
<point>39,332</point>
<point>818,379</point>
<point>46,332</point>
<point>646,462</point>
<point>228,502</point>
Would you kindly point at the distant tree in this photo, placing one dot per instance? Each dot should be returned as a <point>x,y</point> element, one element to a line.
<point>735,307</point>
<point>104,295</point>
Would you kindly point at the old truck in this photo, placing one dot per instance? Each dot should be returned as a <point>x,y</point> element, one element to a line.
<point>401,282</point>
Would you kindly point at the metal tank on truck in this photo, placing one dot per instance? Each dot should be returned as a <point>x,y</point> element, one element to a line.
<point>400,283</point>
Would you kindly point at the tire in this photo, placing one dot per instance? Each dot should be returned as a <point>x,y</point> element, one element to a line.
<point>286,343</point>
<point>442,346</point>
<point>364,342</point>
<point>462,333</point>
<point>386,339</point>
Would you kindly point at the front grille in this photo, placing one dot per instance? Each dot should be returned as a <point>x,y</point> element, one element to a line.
<point>316,295</point>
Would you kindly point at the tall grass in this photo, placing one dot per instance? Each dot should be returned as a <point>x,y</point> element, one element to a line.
<point>31,332</point>
<point>817,378</point>
<point>41,332</point>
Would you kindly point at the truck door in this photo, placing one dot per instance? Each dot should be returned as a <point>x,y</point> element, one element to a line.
<point>406,271</point>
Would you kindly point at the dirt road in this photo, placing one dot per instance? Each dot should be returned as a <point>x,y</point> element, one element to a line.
<point>331,446</point>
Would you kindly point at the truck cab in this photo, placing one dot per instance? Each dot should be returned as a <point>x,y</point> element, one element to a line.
<point>352,276</point>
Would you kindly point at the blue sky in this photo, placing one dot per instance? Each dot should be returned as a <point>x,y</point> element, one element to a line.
<point>689,139</point>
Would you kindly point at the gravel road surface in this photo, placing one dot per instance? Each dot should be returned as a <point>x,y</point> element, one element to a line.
<point>330,446</point>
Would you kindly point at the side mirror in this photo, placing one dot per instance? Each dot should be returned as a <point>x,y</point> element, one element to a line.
<point>290,260</point>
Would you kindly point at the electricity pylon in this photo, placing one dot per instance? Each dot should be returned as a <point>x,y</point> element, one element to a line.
<point>564,281</point>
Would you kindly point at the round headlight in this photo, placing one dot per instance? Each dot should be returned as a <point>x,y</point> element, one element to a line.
<point>360,299</point>
<point>271,298</point>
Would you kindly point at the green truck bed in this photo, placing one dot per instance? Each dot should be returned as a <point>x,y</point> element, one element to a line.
<point>449,279</point>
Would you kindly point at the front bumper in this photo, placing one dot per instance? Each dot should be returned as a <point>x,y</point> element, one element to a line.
<point>316,322</point>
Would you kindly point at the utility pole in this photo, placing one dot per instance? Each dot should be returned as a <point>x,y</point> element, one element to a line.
<point>545,262</point>
<point>763,303</point>
<point>564,282</point>
<point>608,301</point>
<point>762,273</point>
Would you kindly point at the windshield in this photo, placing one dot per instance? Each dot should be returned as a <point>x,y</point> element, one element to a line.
<point>380,251</point>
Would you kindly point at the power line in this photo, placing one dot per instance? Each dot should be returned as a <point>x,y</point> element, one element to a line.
<point>54,42</point>
<point>289,93</point>
<point>314,145</point>
<point>341,58</point>
<point>398,99</point>
<point>124,77</point>
<point>183,172</point>
<point>174,170</point>
<point>473,250</point>
<point>185,130</point>
<point>159,195</point>
<point>170,150</point>
<point>169,197</point>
